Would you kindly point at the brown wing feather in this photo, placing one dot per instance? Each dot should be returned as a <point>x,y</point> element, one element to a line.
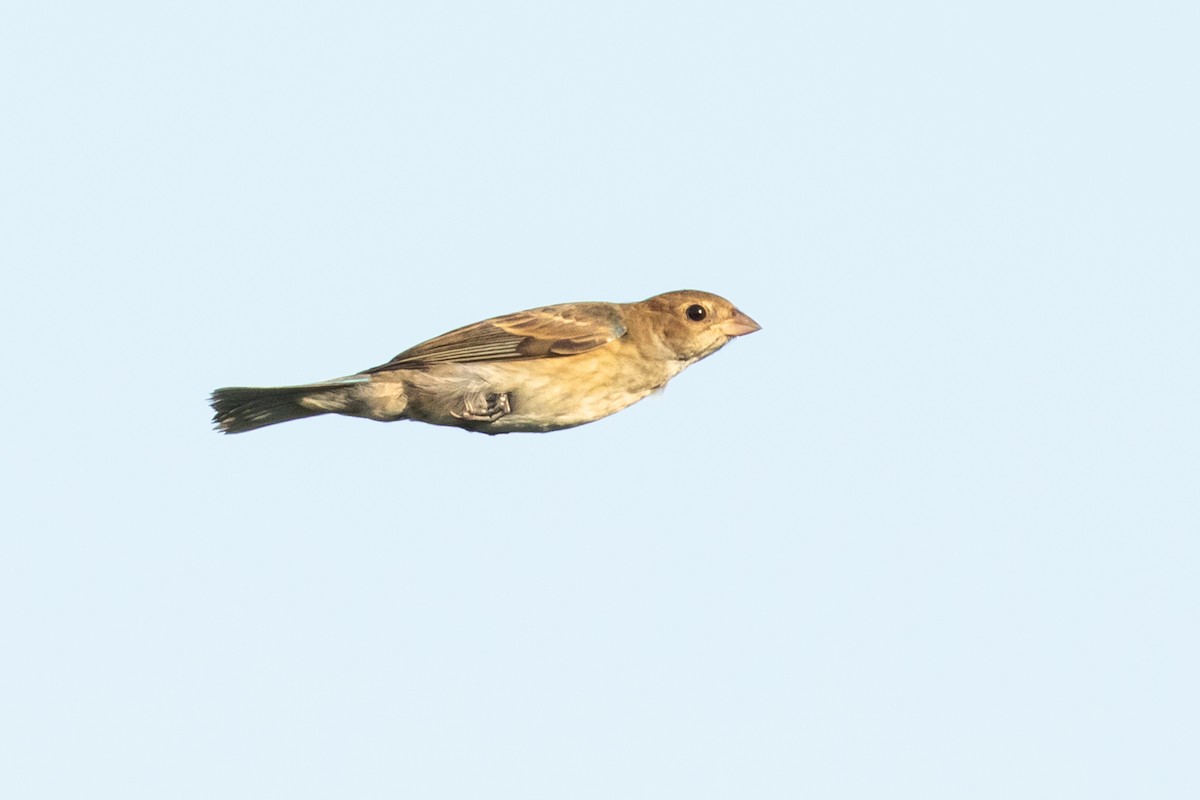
<point>561,330</point>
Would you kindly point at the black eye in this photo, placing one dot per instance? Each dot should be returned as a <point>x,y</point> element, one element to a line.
<point>696,313</point>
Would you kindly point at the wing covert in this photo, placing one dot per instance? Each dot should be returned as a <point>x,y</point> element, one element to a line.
<point>561,330</point>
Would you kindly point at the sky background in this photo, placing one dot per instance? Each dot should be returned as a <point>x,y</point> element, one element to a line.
<point>932,533</point>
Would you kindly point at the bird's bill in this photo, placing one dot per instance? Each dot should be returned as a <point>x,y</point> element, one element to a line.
<point>739,325</point>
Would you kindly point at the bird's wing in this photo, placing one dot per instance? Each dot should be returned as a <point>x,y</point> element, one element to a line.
<point>562,330</point>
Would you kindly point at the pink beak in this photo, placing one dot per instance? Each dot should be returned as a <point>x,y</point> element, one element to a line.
<point>740,325</point>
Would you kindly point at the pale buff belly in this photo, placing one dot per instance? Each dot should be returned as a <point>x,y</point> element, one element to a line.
<point>543,394</point>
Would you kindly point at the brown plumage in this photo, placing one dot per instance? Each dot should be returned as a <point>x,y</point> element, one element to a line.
<point>538,370</point>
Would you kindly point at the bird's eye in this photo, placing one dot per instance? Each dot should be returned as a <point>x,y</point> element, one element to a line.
<point>696,312</point>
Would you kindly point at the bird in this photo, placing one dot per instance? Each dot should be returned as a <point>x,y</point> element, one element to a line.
<point>540,370</point>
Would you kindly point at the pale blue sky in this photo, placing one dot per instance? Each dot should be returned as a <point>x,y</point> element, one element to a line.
<point>932,533</point>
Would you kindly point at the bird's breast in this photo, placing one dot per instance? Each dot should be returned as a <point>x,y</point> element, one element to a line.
<point>548,394</point>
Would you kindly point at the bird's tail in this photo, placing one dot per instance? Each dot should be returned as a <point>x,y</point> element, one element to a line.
<point>245,408</point>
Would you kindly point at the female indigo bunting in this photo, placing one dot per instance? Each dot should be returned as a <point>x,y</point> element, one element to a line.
<point>539,370</point>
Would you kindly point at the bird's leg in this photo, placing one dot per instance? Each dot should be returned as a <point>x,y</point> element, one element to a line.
<point>483,407</point>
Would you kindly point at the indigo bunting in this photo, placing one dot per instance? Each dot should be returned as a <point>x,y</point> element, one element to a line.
<point>539,370</point>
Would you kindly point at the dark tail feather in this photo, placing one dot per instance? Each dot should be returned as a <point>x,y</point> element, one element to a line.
<point>246,408</point>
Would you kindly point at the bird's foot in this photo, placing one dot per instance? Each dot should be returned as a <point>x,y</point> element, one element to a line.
<point>484,407</point>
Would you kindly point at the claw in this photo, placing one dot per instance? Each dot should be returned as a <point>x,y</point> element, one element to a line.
<point>484,407</point>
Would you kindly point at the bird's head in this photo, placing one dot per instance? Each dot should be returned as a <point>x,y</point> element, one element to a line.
<point>693,324</point>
